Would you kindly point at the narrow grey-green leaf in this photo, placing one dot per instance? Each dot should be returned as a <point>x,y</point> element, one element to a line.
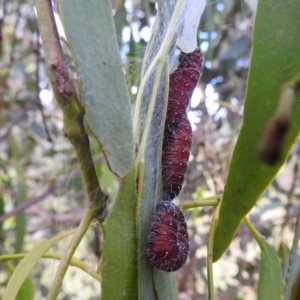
<point>91,33</point>
<point>151,282</point>
<point>165,285</point>
<point>119,255</point>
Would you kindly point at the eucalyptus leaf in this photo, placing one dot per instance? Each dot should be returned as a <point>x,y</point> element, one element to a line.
<point>119,255</point>
<point>275,60</point>
<point>165,285</point>
<point>270,283</point>
<point>26,291</point>
<point>91,33</point>
<point>23,270</point>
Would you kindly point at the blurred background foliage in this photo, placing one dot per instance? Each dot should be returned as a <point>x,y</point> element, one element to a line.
<point>41,191</point>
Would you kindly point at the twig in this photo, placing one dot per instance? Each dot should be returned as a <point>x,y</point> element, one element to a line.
<point>53,220</point>
<point>210,244</point>
<point>20,208</point>
<point>209,201</point>
<point>74,262</point>
<point>73,116</point>
<point>17,120</point>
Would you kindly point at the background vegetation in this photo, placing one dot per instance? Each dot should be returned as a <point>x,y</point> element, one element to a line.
<point>41,191</point>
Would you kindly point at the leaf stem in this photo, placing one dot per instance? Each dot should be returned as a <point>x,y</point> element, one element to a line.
<point>161,137</point>
<point>141,153</point>
<point>73,117</point>
<point>73,111</point>
<point>209,201</point>
<point>209,259</point>
<point>258,237</point>
<point>75,262</point>
<point>66,259</point>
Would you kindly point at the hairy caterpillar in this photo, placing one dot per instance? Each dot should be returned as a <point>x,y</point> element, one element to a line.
<point>182,84</point>
<point>178,132</point>
<point>168,241</point>
<point>175,156</point>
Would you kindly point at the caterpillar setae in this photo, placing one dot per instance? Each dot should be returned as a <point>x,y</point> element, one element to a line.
<point>182,84</point>
<point>175,156</point>
<point>178,132</point>
<point>168,241</point>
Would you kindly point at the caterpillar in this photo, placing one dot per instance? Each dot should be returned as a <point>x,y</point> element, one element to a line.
<point>175,156</point>
<point>178,132</point>
<point>168,241</point>
<point>182,84</point>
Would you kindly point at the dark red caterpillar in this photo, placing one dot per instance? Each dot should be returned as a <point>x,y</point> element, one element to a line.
<point>175,156</point>
<point>178,132</point>
<point>168,241</point>
<point>182,84</point>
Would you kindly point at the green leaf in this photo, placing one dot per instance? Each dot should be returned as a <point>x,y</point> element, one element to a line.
<point>165,285</point>
<point>91,33</point>
<point>27,290</point>
<point>119,252</point>
<point>270,283</point>
<point>275,60</point>
<point>23,270</point>
<point>151,282</point>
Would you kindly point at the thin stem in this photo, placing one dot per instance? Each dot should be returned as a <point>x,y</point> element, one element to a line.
<point>141,172</point>
<point>21,207</point>
<point>209,260</point>
<point>73,116</point>
<point>66,259</point>
<point>75,262</point>
<point>209,201</point>
<point>258,237</point>
<point>73,112</point>
<point>161,137</point>
<point>156,84</point>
